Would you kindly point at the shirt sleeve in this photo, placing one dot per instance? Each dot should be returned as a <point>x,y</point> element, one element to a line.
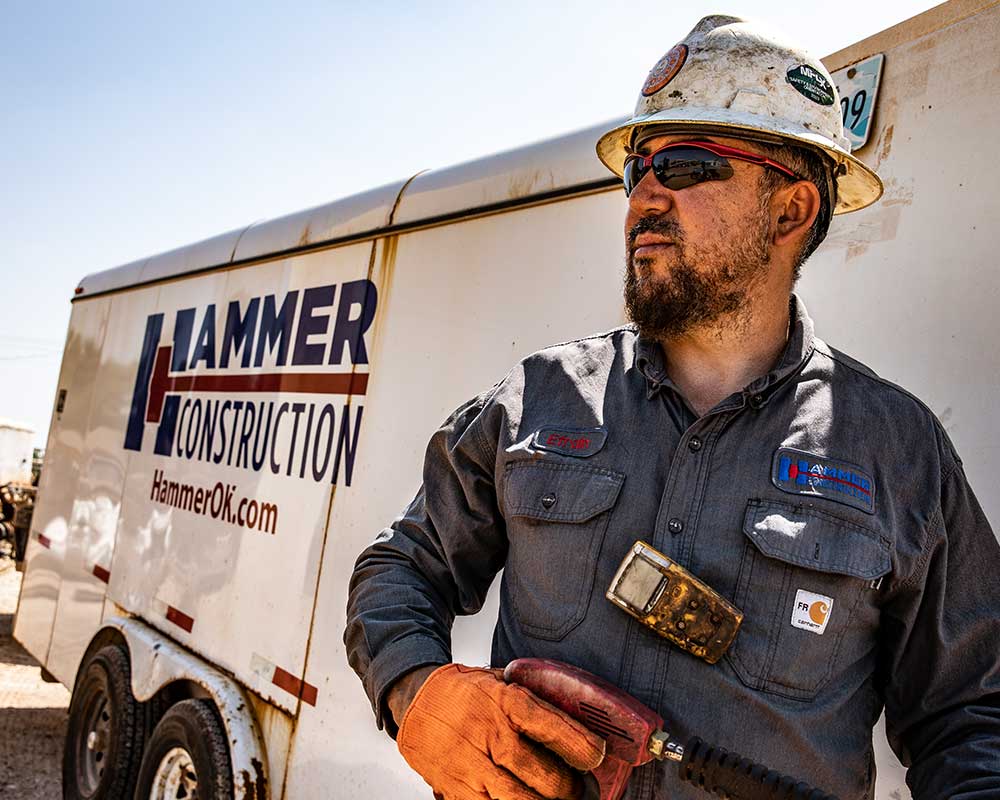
<point>435,561</point>
<point>941,660</point>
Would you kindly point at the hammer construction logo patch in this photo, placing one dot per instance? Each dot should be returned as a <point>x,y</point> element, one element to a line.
<point>798,472</point>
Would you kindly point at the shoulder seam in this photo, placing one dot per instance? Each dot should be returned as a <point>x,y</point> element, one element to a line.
<point>925,549</point>
<point>844,360</point>
<point>603,335</point>
<point>937,519</point>
<point>487,398</point>
<point>833,354</point>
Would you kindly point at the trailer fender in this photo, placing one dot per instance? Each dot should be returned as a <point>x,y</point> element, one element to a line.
<point>157,661</point>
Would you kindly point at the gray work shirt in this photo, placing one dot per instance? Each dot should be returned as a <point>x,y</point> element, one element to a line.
<point>825,502</point>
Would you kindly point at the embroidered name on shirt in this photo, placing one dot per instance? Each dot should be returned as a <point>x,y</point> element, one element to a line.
<point>798,472</point>
<point>579,442</point>
<point>812,611</point>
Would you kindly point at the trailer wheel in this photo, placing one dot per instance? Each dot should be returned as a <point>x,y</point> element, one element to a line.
<point>105,731</point>
<point>187,756</point>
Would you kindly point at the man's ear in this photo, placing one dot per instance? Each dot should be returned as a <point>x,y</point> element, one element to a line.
<point>797,207</point>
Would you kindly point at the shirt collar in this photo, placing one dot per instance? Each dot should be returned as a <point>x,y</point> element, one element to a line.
<point>650,362</point>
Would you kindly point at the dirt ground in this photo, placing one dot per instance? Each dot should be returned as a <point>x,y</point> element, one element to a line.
<point>32,713</point>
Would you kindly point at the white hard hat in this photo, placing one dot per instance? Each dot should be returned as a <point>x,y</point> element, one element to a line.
<point>731,78</point>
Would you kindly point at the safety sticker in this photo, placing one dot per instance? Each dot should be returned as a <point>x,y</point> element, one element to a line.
<point>173,614</point>
<point>798,472</point>
<point>579,442</point>
<point>269,672</point>
<point>812,611</point>
<point>812,83</point>
<point>665,69</point>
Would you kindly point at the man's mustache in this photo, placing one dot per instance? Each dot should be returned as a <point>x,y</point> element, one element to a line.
<point>664,226</point>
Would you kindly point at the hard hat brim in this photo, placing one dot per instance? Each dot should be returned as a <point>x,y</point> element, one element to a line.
<point>858,186</point>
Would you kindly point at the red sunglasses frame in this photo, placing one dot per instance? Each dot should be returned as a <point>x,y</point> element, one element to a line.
<point>715,149</point>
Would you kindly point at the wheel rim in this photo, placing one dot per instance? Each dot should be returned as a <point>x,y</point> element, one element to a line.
<point>95,740</point>
<point>175,777</point>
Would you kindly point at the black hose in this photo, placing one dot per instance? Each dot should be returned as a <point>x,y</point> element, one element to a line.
<point>732,777</point>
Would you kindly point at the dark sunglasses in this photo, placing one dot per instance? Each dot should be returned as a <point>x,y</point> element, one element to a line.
<point>682,164</point>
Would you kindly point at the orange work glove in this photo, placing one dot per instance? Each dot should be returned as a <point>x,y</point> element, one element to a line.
<point>473,737</point>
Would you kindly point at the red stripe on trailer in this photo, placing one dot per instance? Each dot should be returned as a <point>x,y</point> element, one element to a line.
<point>102,574</point>
<point>45,541</point>
<point>161,383</point>
<point>180,619</point>
<point>285,680</point>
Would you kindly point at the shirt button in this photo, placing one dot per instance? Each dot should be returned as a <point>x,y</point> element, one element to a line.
<point>756,401</point>
<point>694,444</point>
<point>675,526</point>
<point>548,501</point>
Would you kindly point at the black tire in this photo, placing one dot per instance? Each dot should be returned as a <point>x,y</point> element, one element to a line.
<point>105,732</point>
<point>190,737</point>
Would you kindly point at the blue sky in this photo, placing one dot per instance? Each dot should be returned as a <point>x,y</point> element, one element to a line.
<point>132,128</point>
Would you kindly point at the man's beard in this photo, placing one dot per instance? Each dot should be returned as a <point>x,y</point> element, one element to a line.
<point>686,297</point>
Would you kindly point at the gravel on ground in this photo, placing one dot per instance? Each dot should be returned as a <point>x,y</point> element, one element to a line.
<point>32,713</point>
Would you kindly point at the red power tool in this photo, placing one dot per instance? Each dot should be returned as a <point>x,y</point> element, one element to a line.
<point>635,736</point>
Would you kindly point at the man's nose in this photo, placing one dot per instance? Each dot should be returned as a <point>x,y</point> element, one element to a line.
<point>650,196</point>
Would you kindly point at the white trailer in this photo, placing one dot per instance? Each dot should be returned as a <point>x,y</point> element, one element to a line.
<point>16,452</point>
<point>236,419</point>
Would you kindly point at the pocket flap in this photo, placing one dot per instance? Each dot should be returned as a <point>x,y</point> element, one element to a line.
<point>816,540</point>
<point>560,492</point>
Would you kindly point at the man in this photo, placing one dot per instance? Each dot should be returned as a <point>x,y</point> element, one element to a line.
<point>825,503</point>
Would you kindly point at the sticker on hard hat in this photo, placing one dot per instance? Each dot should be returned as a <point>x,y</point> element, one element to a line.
<point>812,84</point>
<point>665,70</point>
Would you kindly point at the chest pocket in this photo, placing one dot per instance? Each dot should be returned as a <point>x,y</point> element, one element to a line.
<point>557,515</point>
<point>805,587</point>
